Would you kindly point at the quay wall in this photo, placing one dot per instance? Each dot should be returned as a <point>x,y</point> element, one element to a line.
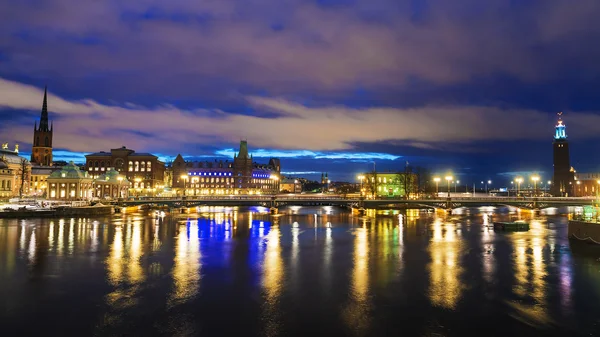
<point>67,211</point>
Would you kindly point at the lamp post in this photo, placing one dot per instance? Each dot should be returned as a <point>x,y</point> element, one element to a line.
<point>184,177</point>
<point>519,180</point>
<point>578,188</point>
<point>489,183</point>
<point>137,180</point>
<point>295,183</point>
<point>448,179</point>
<point>512,186</point>
<point>455,184</point>
<point>437,181</point>
<point>548,183</point>
<point>120,179</point>
<point>361,178</point>
<point>535,179</point>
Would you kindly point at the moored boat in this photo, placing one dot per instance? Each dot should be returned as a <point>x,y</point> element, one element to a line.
<point>511,225</point>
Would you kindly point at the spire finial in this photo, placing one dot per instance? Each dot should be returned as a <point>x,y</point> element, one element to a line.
<point>44,116</point>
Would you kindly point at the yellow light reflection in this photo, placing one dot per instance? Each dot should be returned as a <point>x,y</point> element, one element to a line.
<point>272,280</point>
<point>115,258</point>
<point>445,270</point>
<point>186,271</point>
<point>356,313</point>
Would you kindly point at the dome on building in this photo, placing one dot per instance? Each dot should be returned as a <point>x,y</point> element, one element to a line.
<point>69,171</point>
<point>3,165</point>
<point>112,177</point>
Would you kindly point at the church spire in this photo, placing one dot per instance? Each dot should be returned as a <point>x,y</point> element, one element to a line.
<point>44,116</point>
<point>243,149</point>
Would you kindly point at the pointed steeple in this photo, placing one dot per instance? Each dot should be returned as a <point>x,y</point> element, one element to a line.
<point>560,132</point>
<point>44,116</point>
<point>243,149</point>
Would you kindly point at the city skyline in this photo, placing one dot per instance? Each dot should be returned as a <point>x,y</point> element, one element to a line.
<point>194,79</point>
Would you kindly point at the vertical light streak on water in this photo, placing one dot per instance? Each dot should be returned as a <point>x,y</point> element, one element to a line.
<point>23,238</point>
<point>94,237</point>
<point>32,247</point>
<point>71,242</point>
<point>272,281</point>
<point>187,267</point>
<point>445,289</point>
<point>114,261</point>
<point>135,271</point>
<point>60,245</point>
<point>51,236</point>
<point>356,314</point>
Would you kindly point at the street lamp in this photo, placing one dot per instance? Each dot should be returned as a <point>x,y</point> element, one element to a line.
<point>184,177</point>
<point>448,179</point>
<point>455,184</point>
<point>519,180</point>
<point>548,183</point>
<point>578,188</point>
<point>138,180</point>
<point>535,179</point>
<point>120,179</point>
<point>437,181</point>
<point>361,178</point>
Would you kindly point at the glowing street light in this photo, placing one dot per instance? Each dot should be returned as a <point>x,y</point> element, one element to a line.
<point>519,180</point>
<point>185,178</point>
<point>437,181</point>
<point>535,179</point>
<point>120,179</point>
<point>448,179</point>
<point>455,184</point>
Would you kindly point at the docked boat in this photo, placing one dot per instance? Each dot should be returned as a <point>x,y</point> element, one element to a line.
<point>511,226</point>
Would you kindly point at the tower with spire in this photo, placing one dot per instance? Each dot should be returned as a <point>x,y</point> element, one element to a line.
<point>41,152</point>
<point>564,175</point>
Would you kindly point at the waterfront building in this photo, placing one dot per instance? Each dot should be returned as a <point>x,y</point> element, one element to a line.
<point>111,185</point>
<point>41,151</point>
<point>143,170</point>
<point>20,169</point>
<point>586,184</point>
<point>6,180</point>
<point>240,176</point>
<point>290,185</point>
<point>69,183</point>
<point>387,184</point>
<point>38,179</point>
<point>564,175</point>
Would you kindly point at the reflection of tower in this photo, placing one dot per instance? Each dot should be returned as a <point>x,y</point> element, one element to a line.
<point>41,152</point>
<point>563,179</point>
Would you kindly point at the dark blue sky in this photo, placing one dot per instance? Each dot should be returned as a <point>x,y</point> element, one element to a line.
<point>466,86</point>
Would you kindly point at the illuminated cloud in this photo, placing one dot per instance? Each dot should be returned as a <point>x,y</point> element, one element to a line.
<point>262,153</point>
<point>319,132</point>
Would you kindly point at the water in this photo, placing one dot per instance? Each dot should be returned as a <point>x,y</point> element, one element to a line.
<point>317,272</point>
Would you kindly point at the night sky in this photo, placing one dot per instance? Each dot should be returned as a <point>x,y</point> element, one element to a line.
<point>466,86</point>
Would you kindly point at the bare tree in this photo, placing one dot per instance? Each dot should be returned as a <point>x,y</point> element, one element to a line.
<point>23,175</point>
<point>371,183</point>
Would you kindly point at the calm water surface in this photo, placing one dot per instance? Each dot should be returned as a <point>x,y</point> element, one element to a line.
<point>310,272</point>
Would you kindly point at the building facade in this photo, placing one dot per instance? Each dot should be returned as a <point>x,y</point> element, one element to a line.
<point>145,172</point>
<point>20,169</point>
<point>290,185</point>
<point>586,184</point>
<point>41,151</point>
<point>38,180</point>
<point>6,181</point>
<point>387,184</point>
<point>240,176</point>
<point>111,185</point>
<point>564,175</point>
<point>70,183</point>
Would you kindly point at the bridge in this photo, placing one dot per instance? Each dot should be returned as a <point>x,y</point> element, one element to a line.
<point>274,201</point>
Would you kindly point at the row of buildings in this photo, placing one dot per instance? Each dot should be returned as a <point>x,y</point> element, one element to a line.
<point>122,172</point>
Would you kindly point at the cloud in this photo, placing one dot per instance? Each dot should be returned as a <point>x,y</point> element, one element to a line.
<point>86,125</point>
<point>185,48</point>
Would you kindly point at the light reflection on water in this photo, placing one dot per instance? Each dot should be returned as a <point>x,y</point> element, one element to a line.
<point>351,273</point>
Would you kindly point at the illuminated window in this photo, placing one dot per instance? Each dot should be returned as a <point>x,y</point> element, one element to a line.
<point>137,166</point>
<point>148,166</point>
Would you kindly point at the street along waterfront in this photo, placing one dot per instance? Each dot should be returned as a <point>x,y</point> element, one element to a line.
<point>310,271</point>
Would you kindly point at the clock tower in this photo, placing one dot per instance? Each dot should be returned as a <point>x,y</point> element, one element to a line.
<point>41,152</point>
<point>564,177</point>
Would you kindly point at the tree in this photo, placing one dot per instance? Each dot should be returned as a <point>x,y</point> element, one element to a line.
<point>406,180</point>
<point>423,180</point>
<point>22,175</point>
<point>371,183</point>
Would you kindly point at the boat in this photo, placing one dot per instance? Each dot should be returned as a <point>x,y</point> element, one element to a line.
<point>518,225</point>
